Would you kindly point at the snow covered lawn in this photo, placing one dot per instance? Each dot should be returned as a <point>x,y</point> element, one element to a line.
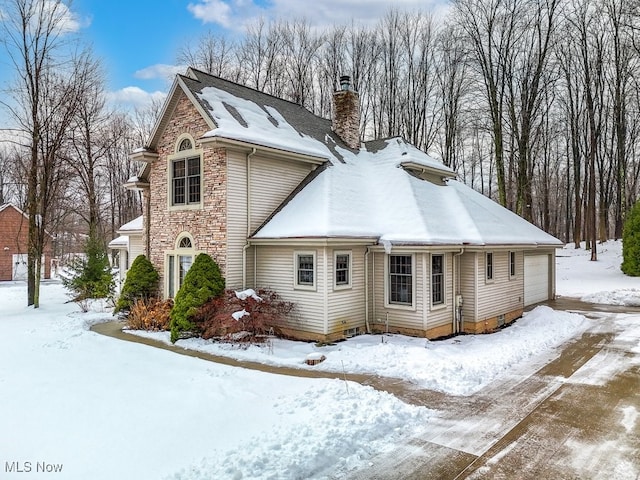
<point>459,366</point>
<point>596,282</point>
<point>104,409</point>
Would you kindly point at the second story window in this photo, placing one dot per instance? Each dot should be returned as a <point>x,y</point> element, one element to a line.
<point>185,177</point>
<point>185,174</point>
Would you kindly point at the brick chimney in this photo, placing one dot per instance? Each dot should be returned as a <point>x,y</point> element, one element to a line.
<point>346,113</point>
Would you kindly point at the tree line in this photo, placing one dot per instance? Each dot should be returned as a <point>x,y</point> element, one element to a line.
<point>535,103</point>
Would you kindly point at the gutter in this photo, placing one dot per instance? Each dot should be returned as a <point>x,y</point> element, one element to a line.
<point>457,309</point>
<point>247,244</point>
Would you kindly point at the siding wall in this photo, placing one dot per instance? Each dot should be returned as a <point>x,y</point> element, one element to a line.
<point>237,216</point>
<point>272,181</point>
<point>468,280</point>
<point>502,294</point>
<point>423,317</point>
<point>276,271</point>
<point>346,306</point>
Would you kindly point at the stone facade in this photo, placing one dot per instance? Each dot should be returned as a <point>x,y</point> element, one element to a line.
<point>208,224</point>
<point>346,117</point>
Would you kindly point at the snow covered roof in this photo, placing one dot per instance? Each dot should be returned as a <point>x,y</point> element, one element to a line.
<point>135,224</point>
<point>389,190</point>
<point>371,195</point>
<point>120,242</point>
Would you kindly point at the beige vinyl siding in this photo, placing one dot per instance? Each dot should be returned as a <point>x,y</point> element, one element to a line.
<point>276,271</point>
<point>440,315</point>
<point>398,317</point>
<point>346,306</point>
<point>272,181</point>
<point>468,275</point>
<point>237,217</point>
<point>136,247</point>
<point>502,294</point>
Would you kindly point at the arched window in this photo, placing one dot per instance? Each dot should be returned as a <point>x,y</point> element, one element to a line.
<point>185,173</point>
<point>179,262</point>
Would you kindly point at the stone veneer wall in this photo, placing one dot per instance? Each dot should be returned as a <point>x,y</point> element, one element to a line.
<point>207,225</point>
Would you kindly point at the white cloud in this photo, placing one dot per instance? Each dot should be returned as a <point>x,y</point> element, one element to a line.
<point>132,97</point>
<point>160,71</point>
<point>237,13</point>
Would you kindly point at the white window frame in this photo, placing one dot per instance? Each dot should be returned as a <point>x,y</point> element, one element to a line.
<point>443,303</point>
<point>487,278</point>
<point>348,284</point>
<point>296,267</point>
<point>184,155</point>
<point>387,283</point>
<point>513,273</point>
<point>174,256</point>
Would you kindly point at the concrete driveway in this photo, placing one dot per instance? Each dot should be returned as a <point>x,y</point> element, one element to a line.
<point>577,417</point>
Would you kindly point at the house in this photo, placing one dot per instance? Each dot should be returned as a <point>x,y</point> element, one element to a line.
<point>14,241</point>
<point>362,236</point>
<point>129,244</point>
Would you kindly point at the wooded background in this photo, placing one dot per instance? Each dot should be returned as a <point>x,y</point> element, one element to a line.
<point>535,103</point>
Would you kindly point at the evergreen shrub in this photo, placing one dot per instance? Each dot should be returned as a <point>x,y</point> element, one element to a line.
<point>631,243</point>
<point>202,282</point>
<point>141,283</point>
<point>91,276</point>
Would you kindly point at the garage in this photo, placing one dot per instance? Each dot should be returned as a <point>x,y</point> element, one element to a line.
<point>536,279</point>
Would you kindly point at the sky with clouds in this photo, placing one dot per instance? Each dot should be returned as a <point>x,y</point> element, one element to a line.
<point>138,44</point>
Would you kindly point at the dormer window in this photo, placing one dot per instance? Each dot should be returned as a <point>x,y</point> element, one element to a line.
<point>185,174</point>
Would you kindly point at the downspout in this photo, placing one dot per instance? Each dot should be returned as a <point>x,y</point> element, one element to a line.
<point>457,309</point>
<point>247,244</point>
<point>366,289</point>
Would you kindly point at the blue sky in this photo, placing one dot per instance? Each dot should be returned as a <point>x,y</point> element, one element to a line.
<point>138,42</point>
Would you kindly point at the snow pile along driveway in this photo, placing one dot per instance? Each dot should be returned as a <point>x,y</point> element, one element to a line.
<point>459,366</point>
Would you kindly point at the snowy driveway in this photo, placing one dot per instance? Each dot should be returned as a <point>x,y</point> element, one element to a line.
<point>576,417</point>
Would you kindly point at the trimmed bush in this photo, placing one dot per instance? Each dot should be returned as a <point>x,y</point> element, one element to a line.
<point>631,243</point>
<point>202,282</point>
<point>141,284</point>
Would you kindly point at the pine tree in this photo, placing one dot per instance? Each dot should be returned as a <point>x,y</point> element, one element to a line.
<point>202,282</point>
<point>631,243</point>
<point>91,277</point>
<point>141,283</point>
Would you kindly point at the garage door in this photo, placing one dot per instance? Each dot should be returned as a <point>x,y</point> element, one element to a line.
<point>536,279</point>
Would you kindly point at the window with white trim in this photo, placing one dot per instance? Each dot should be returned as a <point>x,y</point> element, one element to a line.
<point>342,267</point>
<point>401,279</point>
<point>512,264</point>
<point>178,264</point>
<point>305,263</point>
<point>437,279</point>
<point>185,174</point>
<point>489,265</point>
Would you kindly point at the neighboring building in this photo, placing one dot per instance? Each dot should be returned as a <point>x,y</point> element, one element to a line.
<point>14,241</point>
<point>129,244</point>
<point>363,237</point>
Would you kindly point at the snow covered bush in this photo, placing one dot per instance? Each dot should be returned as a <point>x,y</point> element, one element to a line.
<point>243,316</point>
<point>631,243</point>
<point>141,283</point>
<point>149,314</point>
<point>202,282</point>
<point>90,276</point>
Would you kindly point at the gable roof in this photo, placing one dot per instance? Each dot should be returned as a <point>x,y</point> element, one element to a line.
<point>389,190</point>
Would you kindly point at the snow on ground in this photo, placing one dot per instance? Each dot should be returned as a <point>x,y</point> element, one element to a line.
<point>106,409</point>
<point>459,366</point>
<point>596,282</point>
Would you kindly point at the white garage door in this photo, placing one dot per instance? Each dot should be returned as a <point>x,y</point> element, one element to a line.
<point>536,279</point>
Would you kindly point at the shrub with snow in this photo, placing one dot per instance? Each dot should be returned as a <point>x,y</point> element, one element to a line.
<point>631,243</point>
<point>202,282</point>
<point>254,313</point>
